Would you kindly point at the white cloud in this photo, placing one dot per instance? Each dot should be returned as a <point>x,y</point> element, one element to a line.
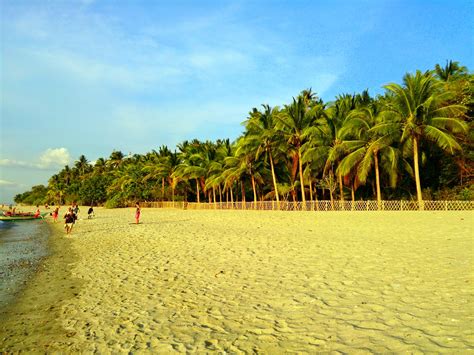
<point>51,158</point>
<point>54,157</point>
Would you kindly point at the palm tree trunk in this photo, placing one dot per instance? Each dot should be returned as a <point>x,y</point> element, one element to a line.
<point>231,197</point>
<point>162,189</point>
<point>311,193</point>
<point>254,192</point>
<point>303,198</point>
<point>242,189</point>
<point>172,193</point>
<point>417,174</point>
<point>341,191</point>
<point>197,191</point>
<point>377,180</point>
<point>316,196</point>
<point>274,181</point>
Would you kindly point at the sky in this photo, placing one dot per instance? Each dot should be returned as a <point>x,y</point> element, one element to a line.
<point>92,76</point>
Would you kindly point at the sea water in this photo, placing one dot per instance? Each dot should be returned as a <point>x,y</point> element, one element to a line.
<point>22,246</point>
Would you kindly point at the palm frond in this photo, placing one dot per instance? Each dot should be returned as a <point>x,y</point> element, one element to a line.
<point>350,161</point>
<point>443,139</point>
<point>455,125</point>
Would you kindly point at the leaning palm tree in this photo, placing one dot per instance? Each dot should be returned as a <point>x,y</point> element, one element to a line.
<point>422,112</point>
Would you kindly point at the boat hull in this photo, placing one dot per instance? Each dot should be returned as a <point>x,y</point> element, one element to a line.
<point>21,218</point>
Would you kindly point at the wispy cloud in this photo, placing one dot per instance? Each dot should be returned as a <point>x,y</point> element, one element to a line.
<point>158,78</point>
<point>5,183</point>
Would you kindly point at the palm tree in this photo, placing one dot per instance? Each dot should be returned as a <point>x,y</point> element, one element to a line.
<point>452,70</point>
<point>82,167</point>
<point>153,171</point>
<point>263,136</point>
<point>338,130</point>
<point>195,159</point>
<point>56,188</point>
<point>127,182</point>
<point>116,159</point>
<point>421,111</point>
<point>100,167</point>
<point>215,177</point>
<point>246,153</point>
<point>371,140</point>
<point>292,123</point>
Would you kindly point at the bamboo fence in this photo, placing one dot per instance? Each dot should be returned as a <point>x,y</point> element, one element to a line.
<point>320,205</point>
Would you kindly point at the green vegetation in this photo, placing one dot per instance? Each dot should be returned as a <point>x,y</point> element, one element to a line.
<point>415,140</point>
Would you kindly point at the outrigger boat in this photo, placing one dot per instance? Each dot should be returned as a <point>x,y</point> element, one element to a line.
<point>21,216</point>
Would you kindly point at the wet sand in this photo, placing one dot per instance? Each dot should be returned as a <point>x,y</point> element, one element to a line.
<point>251,281</point>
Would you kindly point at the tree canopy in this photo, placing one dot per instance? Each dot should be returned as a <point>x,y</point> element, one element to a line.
<point>413,142</point>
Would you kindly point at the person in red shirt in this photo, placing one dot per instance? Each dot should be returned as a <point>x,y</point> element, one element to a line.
<point>137,213</point>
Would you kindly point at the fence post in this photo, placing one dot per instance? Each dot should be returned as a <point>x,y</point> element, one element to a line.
<point>445,205</point>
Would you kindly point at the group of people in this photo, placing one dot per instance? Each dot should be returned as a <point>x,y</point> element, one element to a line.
<point>72,213</point>
<point>71,216</point>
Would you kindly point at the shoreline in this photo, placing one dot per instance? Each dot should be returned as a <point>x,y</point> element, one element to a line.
<point>33,321</point>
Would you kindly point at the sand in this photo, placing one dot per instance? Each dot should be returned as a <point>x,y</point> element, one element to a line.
<point>253,281</point>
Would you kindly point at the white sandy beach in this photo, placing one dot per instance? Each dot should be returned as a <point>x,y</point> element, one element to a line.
<point>268,282</point>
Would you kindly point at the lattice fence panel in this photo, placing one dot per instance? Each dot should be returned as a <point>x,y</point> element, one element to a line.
<point>321,206</point>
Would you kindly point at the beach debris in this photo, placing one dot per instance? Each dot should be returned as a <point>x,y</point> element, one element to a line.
<point>220,272</point>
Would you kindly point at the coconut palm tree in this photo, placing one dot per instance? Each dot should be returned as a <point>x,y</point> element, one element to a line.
<point>100,167</point>
<point>246,153</point>
<point>116,159</point>
<point>215,177</point>
<point>292,123</point>
<point>370,142</point>
<point>338,130</point>
<point>451,71</point>
<point>263,136</point>
<point>195,159</point>
<point>420,111</point>
<point>82,167</point>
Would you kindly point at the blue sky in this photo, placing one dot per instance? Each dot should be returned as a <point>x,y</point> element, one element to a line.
<point>87,77</point>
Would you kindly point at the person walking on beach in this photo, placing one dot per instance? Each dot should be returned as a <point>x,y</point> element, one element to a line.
<point>75,209</point>
<point>69,218</point>
<point>55,214</point>
<point>90,213</point>
<point>137,213</point>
